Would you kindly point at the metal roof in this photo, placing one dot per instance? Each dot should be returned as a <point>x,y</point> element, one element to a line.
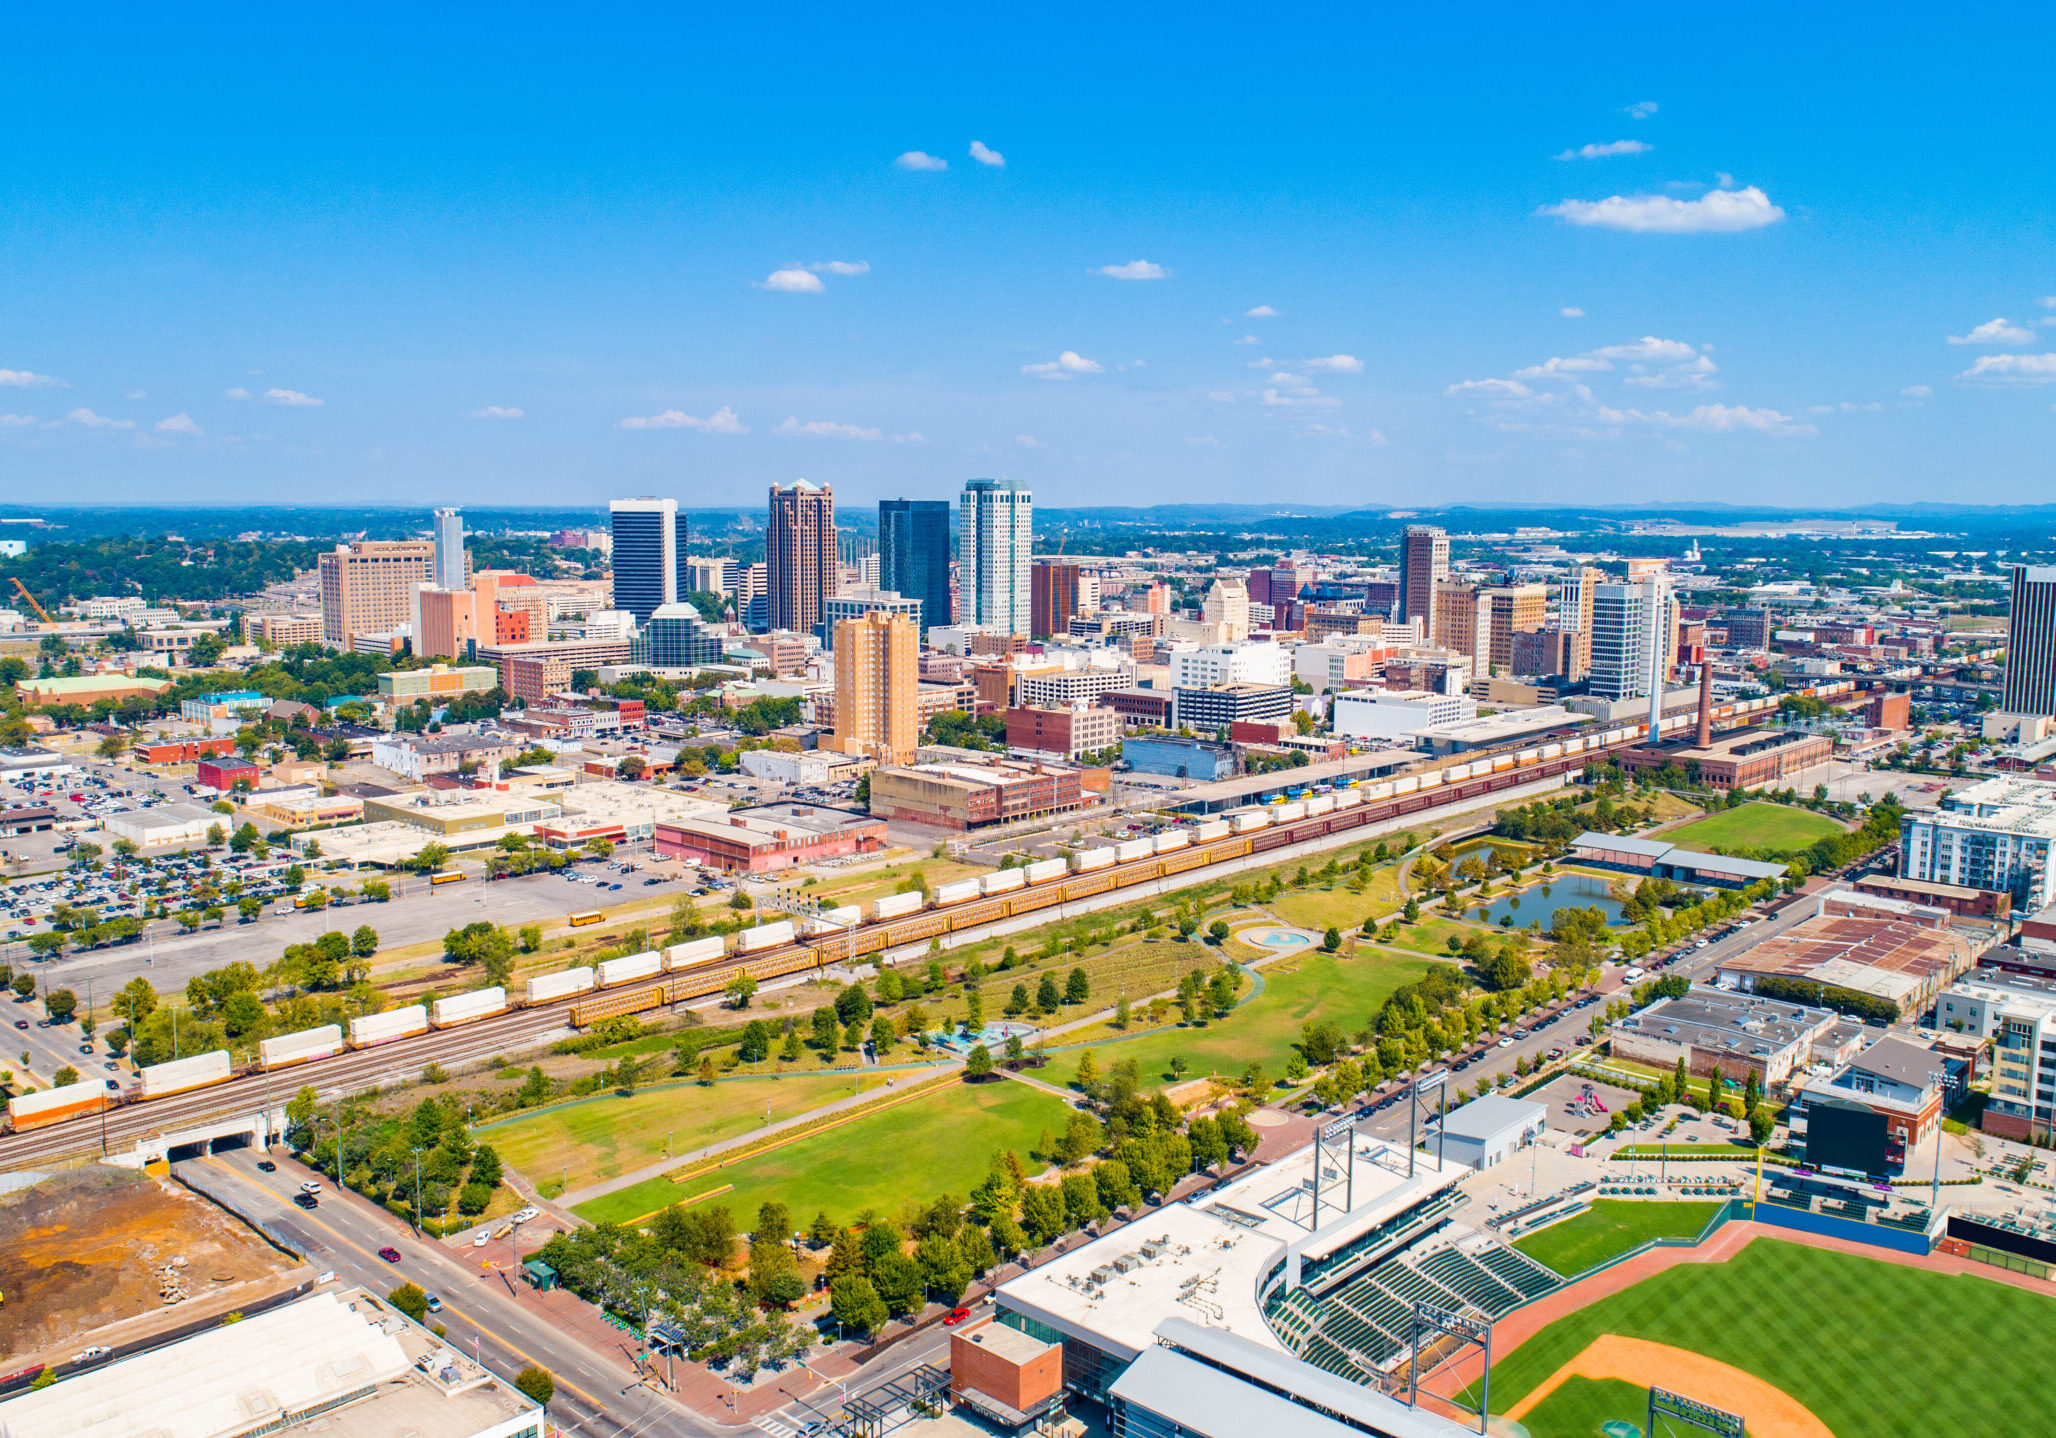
<point>1488,1117</point>
<point>1623,844</point>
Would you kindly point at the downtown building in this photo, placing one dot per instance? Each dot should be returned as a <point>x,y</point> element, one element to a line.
<point>368,587</point>
<point>800,557</point>
<point>914,555</point>
<point>877,674</point>
<point>1423,564</point>
<point>2031,643</point>
<point>996,522</point>
<point>649,562</point>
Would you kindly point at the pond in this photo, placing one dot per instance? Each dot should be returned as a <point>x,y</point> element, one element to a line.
<point>1508,851</point>
<point>1541,901</point>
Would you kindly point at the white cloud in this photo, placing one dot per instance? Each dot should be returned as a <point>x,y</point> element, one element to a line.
<point>1695,373</point>
<point>1249,340</point>
<point>2014,369</point>
<point>1133,270</point>
<point>1640,110</point>
<point>27,379</point>
<point>1065,365</point>
<point>829,429</point>
<point>180,423</point>
<point>497,411</point>
<point>984,154</point>
<point>1261,312</point>
<point>16,421</point>
<point>1649,350</point>
<point>237,393</point>
<point>1491,388</point>
<point>98,421</point>
<point>1340,364</point>
<point>1611,147</point>
<point>1557,367</point>
<point>2001,331</point>
<point>921,160</point>
<point>1918,391</point>
<point>721,421</point>
<point>1571,312</point>
<point>1304,399</point>
<point>291,398</point>
<point>1221,396</point>
<point>1289,380</point>
<point>793,282</point>
<point>842,267</point>
<point>1715,212</point>
<point>1028,441</point>
<point>1711,419</point>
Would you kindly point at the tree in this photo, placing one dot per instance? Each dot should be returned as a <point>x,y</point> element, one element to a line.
<point>1077,987</point>
<point>1761,1125</point>
<point>24,985</point>
<point>856,1304</point>
<point>60,1004</point>
<point>1047,998</point>
<point>65,1075</point>
<point>978,1063</point>
<point>1042,1213</point>
<point>706,1075</point>
<point>827,1031</point>
<point>364,941</point>
<point>410,1300</point>
<point>775,1273</point>
<point>899,1282</point>
<point>755,1044</point>
<point>249,906</point>
<point>1332,940</point>
<point>135,1002</point>
<point>740,990</point>
<point>536,1383</point>
<point>1218,931</point>
<point>531,936</point>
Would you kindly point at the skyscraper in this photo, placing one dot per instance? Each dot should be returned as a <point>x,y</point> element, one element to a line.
<point>913,555</point>
<point>877,672</point>
<point>449,549</point>
<point>800,555</point>
<point>1052,597</point>
<point>368,587</point>
<point>2031,643</point>
<point>1630,626</point>
<point>997,531</point>
<point>1423,563</point>
<point>649,555</point>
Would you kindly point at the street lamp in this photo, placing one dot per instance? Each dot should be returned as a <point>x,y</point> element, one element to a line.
<point>417,1191</point>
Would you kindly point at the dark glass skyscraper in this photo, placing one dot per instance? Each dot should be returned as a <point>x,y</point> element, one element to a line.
<point>649,555</point>
<point>913,555</point>
<point>2031,642</point>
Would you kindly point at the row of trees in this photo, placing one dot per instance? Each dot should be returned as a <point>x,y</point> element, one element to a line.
<point>384,1156</point>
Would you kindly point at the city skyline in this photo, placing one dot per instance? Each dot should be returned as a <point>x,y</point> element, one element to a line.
<point>1598,271</point>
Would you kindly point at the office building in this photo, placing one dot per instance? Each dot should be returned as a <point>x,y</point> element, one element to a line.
<point>1254,662</point>
<point>445,622</point>
<point>1398,714</point>
<point>437,681</point>
<point>1227,605</point>
<point>855,603</point>
<point>970,791</point>
<point>1068,733</point>
<point>1748,628</point>
<point>649,537</point>
<point>997,532</point>
<point>1053,597</point>
<point>368,587</point>
<point>1460,621</point>
<point>913,555</point>
<point>675,637</point>
<point>1714,1030</point>
<point>1217,707</point>
<point>800,555</point>
<point>711,576</point>
<point>450,566</point>
<point>876,673</point>
<point>283,631</point>
<point>1423,564</point>
<point>1633,637</point>
<point>1994,836</point>
<point>1509,611</point>
<point>2031,643</point>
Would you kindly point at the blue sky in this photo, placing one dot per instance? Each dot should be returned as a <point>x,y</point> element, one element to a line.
<point>450,254</point>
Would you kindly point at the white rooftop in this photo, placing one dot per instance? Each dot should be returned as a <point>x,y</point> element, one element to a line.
<point>1215,1252</point>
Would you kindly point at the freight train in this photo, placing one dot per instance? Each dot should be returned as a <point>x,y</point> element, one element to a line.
<point>697,968</point>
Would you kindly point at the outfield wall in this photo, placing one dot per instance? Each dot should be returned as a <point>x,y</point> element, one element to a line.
<point>1877,1235</point>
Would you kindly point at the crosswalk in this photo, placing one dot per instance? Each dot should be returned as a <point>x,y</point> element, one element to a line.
<point>787,1423</point>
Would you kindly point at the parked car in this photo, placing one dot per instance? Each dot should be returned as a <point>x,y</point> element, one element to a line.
<point>435,1303</point>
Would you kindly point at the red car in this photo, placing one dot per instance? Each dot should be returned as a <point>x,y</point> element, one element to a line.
<point>956,1316</point>
<point>390,1255</point>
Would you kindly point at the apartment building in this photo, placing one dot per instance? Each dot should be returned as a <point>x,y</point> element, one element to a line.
<point>801,565</point>
<point>876,678</point>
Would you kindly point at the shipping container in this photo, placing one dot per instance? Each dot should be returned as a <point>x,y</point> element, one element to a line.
<point>766,936</point>
<point>1210,830</point>
<point>1129,850</point>
<point>464,1008</point>
<point>1002,881</point>
<point>956,892</point>
<point>1552,751</point>
<point>893,906</point>
<point>390,1025</point>
<point>1288,813</point>
<point>1172,839</point>
<point>629,968</point>
<point>1086,860</point>
<point>54,1105</point>
<point>695,952</point>
<point>182,1074</point>
<point>1043,870</point>
<point>560,985</point>
<point>834,921</point>
<point>1501,763</point>
<point>299,1048</point>
<point>1248,821</point>
<point>1320,804</point>
<point>1348,798</point>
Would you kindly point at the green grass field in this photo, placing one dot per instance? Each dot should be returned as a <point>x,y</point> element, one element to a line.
<point>606,1135</point>
<point>1874,1349</point>
<point>1612,1226</point>
<point>1773,827</point>
<point>1262,1029</point>
<point>941,1142</point>
<point>1336,906</point>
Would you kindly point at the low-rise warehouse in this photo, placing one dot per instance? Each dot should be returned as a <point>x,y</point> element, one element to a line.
<point>969,791</point>
<point>775,836</point>
<point>1661,860</point>
<point>1735,1033</point>
<point>1899,958</point>
<point>164,825</point>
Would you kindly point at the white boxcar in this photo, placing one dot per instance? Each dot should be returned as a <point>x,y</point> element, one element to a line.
<point>1210,830</point>
<point>317,1043</point>
<point>892,906</point>
<point>956,892</point>
<point>694,952</point>
<point>1086,860</point>
<point>1172,839</point>
<point>630,967</point>
<point>1043,870</point>
<point>390,1025</point>
<point>1002,881</point>
<point>182,1074</point>
<point>766,936</point>
<point>1129,849</point>
<point>463,1008</point>
<point>54,1105</point>
<point>560,986</point>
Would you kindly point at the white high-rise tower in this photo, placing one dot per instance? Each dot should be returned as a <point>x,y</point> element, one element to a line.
<point>995,537</point>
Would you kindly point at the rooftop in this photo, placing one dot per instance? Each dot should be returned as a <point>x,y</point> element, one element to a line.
<point>1899,1061</point>
<point>1483,1118</point>
<point>1892,958</point>
<point>1734,1023</point>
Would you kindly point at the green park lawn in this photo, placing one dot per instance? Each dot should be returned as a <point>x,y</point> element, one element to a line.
<point>1775,828</point>
<point>1325,906</point>
<point>1872,1348</point>
<point>1431,935</point>
<point>606,1135</point>
<point>1612,1226</point>
<point>941,1142</point>
<point>1263,1028</point>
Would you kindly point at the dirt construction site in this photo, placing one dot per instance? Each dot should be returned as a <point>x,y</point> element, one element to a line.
<point>108,1256</point>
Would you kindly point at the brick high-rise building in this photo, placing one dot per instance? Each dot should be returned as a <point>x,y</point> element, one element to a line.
<point>1053,597</point>
<point>1509,610</point>
<point>877,672</point>
<point>1458,620</point>
<point>1423,564</point>
<point>799,555</point>
<point>368,587</point>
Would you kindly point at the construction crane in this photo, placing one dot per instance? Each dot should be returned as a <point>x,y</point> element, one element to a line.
<point>23,590</point>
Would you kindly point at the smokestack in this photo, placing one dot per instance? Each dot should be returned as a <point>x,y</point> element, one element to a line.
<point>1705,735</point>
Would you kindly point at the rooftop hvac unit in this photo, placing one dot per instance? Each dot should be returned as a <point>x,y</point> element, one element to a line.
<point>1127,1263</point>
<point>1155,1248</point>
